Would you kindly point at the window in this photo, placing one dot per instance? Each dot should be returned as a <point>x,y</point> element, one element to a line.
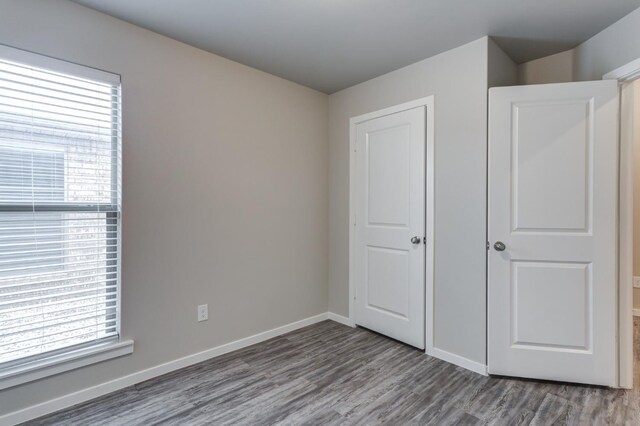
<point>60,191</point>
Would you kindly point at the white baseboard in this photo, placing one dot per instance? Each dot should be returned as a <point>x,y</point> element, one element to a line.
<point>341,319</point>
<point>83,395</point>
<point>474,366</point>
<point>636,312</point>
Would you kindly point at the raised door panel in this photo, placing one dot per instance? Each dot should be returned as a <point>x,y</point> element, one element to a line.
<point>551,166</point>
<point>388,183</point>
<point>387,281</point>
<point>551,305</point>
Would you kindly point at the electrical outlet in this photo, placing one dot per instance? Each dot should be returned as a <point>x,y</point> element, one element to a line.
<point>203,313</point>
<point>636,282</point>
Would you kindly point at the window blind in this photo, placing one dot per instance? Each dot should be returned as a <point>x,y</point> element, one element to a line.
<point>60,202</point>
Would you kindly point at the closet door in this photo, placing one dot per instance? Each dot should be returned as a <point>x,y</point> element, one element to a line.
<point>390,225</point>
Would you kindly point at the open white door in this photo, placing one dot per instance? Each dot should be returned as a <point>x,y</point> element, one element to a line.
<point>553,194</point>
<point>390,222</point>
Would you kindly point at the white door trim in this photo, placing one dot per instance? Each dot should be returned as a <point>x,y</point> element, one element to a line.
<point>625,74</point>
<point>428,103</point>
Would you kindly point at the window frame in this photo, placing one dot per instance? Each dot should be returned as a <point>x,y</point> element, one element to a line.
<point>37,366</point>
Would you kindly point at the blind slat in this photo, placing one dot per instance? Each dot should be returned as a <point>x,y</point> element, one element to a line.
<point>86,250</point>
<point>9,118</point>
<point>13,78</point>
<point>67,265</point>
<point>4,280</point>
<point>18,131</point>
<point>76,338</point>
<point>57,290</point>
<point>12,105</point>
<point>41,282</point>
<point>52,337</point>
<point>49,75</point>
<point>29,301</point>
<point>56,323</point>
<point>41,92</point>
<point>49,243</point>
<point>52,104</point>
<point>52,144</point>
<point>66,311</point>
<point>102,298</point>
<point>39,251</point>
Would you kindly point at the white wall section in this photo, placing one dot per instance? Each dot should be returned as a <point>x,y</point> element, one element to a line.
<point>612,48</point>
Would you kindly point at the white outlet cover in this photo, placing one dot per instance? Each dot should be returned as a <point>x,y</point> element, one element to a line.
<point>203,313</point>
<point>636,282</point>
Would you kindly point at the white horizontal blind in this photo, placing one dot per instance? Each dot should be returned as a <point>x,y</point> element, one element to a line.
<point>60,198</point>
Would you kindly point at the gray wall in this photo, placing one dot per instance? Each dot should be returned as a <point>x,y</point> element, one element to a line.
<point>613,47</point>
<point>501,70</point>
<point>458,79</point>
<point>556,68</point>
<point>225,190</point>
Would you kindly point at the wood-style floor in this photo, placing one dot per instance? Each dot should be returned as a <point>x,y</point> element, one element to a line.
<point>330,374</point>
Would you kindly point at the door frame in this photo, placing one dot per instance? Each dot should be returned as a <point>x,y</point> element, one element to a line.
<point>625,74</point>
<point>428,103</point>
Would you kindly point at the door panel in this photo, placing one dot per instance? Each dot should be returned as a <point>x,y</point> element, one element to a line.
<point>558,198</point>
<point>390,211</point>
<point>556,286</point>
<point>388,176</point>
<point>386,266</point>
<point>553,203</point>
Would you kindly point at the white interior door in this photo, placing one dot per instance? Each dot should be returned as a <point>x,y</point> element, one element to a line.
<point>390,223</point>
<point>553,193</point>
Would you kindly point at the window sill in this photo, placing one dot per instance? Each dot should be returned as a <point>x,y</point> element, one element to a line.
<point>60,363</point>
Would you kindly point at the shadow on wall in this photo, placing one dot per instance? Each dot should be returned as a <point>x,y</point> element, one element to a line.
<point>538,48</point>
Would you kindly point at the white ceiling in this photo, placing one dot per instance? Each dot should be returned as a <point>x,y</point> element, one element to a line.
<point>332,44</point>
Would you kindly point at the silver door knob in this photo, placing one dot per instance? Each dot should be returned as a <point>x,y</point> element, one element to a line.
<point>499,246</point>
<point>415,240</point>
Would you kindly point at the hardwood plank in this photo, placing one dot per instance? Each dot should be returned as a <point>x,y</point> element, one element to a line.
<point>331,374</point>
